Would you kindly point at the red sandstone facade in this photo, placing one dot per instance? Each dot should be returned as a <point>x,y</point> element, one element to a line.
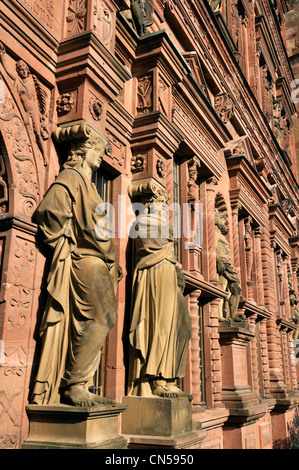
<point>205,105</point>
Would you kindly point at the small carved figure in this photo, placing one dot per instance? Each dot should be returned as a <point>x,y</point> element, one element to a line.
<point>140,15</point>
<point>215,4</point>
<point>277,119</point>
<point>160,325</point>
<point>294,306</point>
<point>81,306</point>
<point>228,278</point>
<point>192,184</point>
<point>33,99</point>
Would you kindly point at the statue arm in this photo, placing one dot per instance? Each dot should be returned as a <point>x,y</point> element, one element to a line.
<point>4,62</point>
<point>55,216</point>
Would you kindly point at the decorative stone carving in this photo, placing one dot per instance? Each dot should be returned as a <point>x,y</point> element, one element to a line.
<point>193,188</point>
<point>294,306</point>
<point>103,22</point>
<point>276,119</point>
<point>161,168</point>
<point>145,94</point>
<point>65,103</point>
<point>215,4</point>
<point>224,106</point>
<point>76,16</point>
<point>21,148</point>
<point>140,15</point>
<point>3,187</point>
<point>227,276</point>
<point>33,99</point>
<point>160,324</point>
<point>81,307</point>
<point>138,163</point>
<point>95,108</point>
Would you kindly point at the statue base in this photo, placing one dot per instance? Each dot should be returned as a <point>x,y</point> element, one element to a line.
<point>165,423</point>
<point>61,426</point>
<point>244,405</point>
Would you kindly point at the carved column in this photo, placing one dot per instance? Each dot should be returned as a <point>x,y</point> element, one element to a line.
<point>235,236</point>
<point>210,228</point>
<point>287,307</point>
<point>195,347</point>
<point>215,378</point>
<point>258,267</point>
<point>274,349</point>
<point>285,354</point>
<point>265,371</point>
<point>294,378</point>
<point>254,382</point>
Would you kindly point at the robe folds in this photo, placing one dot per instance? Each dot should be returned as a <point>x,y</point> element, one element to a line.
<point>81,307</point>
<point>160,322</point>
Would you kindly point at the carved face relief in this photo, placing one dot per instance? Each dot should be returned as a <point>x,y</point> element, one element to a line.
<point>22,69</point>
<point>221,222</point>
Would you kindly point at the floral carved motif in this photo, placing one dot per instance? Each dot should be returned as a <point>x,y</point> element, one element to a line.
<point>138,163</point>
<point>65,103</point>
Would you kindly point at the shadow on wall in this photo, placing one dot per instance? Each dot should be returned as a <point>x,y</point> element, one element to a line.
<point>293,429</point>
<point>292,441</point>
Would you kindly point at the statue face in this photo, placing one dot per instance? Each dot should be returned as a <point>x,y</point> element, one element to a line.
<point>94,157</point>
<point>22,69</point>
<point>222,223</point>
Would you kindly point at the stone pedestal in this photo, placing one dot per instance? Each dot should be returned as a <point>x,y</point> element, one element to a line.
<point>244,405</point>
<point>71,427</point>
<point>164,423</point>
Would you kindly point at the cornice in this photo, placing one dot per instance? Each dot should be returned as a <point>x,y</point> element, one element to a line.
<point>277,214</point>
<point>155,129</point>
<point>85,54</point>
<point>239,165</point>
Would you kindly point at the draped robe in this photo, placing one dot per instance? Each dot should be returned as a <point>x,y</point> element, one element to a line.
<point>160,323</point>
<point>81,306</point>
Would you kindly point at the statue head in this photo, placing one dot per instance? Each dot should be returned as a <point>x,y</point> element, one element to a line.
<point>221,221</point>
<point>89,150</point>
<point>22,69</point>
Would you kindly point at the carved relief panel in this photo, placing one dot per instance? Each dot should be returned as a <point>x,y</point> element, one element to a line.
<point>144,94</point>
<point>18,301</point>
<point>21,150</point>
<point>104,23</point>
<point>3,187</point>
<point>76,17</point>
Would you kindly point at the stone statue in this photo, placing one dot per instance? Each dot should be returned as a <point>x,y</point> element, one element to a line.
<point>160,327</point>
<point>227,276</point>
<point>140,15</point>
<point>81,306</point>
<point>294,306</point>
<point>33,99</point>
